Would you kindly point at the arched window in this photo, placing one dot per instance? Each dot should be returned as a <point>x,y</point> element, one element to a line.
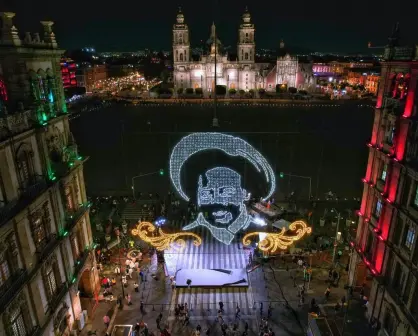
<point>3,91</point>
<point>180,38</point>
<point>246,56</point>
<point>25,166</point>
<point>177,55</point>
<point>181,57</point>
<point>51,277</point>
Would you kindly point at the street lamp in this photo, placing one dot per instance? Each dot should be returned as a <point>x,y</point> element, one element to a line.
<point>337,234</point>
<point>160,172</point>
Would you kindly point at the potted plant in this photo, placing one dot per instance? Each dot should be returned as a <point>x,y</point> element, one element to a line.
<point>232,92</point>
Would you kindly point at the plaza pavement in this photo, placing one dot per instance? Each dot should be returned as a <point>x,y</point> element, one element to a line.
<point>270,283</point>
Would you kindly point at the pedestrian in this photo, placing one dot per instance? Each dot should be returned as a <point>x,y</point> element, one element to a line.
<point>246,326</point>
<point>237,312</point>
<point>220,315</point>
<point>141,274</point>
<point>113,281</point>
<point>269,311</point>
<point>198,328</point>
<point>158,320</point>
<point>330,274</point>
<point>117,270</point>
<point>221,306</point>
<point>129,298</point>
<point>208,331</point>
<point>141,306</point>
<point>136,287</point>
<point>173,284</point>
<point>343,301</point>
<point>327,293</point>
<point>130,271</point>
<point>106,321</point>
<point>261,308</point>
<point>186,319</point>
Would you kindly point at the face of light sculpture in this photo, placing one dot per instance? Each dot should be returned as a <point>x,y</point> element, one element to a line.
<point>222,198</point>
<point>220,195</point>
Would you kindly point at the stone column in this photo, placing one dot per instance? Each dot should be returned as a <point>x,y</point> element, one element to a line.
<point>8,33</point>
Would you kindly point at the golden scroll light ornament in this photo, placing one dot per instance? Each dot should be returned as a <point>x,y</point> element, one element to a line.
<point>274,241</point>
<point>163,241</point>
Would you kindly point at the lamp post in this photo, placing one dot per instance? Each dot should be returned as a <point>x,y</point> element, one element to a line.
<point>161,172</point>
<point>336,234</point>
<point>303,177</point>
<point>120,266</point>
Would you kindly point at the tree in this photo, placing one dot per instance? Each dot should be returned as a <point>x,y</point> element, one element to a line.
<point>189,91</point>
<point>232,91</point>
<point>198,91</point>
<point>251,92</point>
<point>293,90</point>
<point>281,88</point>
<point>241,92</point>
<point>261,91</point>
<point>220,90</point>
<point>180,90</point>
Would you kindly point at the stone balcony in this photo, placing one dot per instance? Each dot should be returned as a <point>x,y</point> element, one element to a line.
<point>27,196</point>
<point>15,123</point>
<point>11,287</point>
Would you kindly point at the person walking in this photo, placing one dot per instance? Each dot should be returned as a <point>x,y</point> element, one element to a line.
<point>269,311</point>
<point>221,306</point>
<point>220,318</point>
<point>237,312</point>
<point>129,299</point>
<point>327,293</point>
<point>186,319</point>
<point>261,308</point>
<point>136,287</point>
<point>106,320</point>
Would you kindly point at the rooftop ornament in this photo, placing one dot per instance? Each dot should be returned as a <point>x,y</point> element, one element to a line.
<point>163,241</point>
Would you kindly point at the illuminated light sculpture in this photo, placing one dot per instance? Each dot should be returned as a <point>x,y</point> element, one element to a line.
<point>271,242</point>
<point>163,241</point>
<point>223,185</point>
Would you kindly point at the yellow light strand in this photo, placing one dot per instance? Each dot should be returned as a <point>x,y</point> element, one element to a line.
<point>274,241</point>
<point>163,241</point>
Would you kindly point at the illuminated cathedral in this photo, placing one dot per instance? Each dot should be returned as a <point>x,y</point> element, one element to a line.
<point>239,74</point>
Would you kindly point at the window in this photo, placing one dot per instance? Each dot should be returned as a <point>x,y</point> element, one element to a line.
<point>75,246</point>
<point>378,208</point>
<point>24,165</point>
<point>398,279</point>
<point>181,57</point>
<point>4,272</point>
<point>384,172</point>
<point>410,238</point>
<point>246,56</point>
<point>39,231</point>
<point>69,198</point>
<point>416,197</point>
<point>17,323</point>
<point>50,280</point>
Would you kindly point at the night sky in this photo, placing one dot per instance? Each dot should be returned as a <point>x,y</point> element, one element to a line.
<point>127,25</point>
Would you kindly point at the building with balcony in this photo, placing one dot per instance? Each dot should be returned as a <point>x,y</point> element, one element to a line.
<point>46,258</point>
<point>385,250</point>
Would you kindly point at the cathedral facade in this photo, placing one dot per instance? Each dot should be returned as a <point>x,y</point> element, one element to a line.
<point>240,74</point>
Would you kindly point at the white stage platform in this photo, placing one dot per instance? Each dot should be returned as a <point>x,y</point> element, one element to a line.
<point>212,278</point>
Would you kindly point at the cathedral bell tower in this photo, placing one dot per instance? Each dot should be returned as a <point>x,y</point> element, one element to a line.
<point>181,40</point>
<point>246,42</point>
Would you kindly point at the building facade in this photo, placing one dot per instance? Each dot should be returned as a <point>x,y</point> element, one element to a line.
<point>240,74</point>
<point>68,73</point>
<point>385,250</point>
<point>47,264</point>
<point>92,77</point>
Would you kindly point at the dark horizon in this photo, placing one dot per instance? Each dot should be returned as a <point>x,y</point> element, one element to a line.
<point>133,26</point>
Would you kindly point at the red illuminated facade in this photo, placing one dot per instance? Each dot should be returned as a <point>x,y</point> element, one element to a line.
<point>385,250</point>
<point>68,72</point>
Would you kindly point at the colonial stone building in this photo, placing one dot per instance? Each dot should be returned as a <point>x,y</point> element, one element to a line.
<point>46,248</point>
<point>240,74</point>
<point>385,250</point>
